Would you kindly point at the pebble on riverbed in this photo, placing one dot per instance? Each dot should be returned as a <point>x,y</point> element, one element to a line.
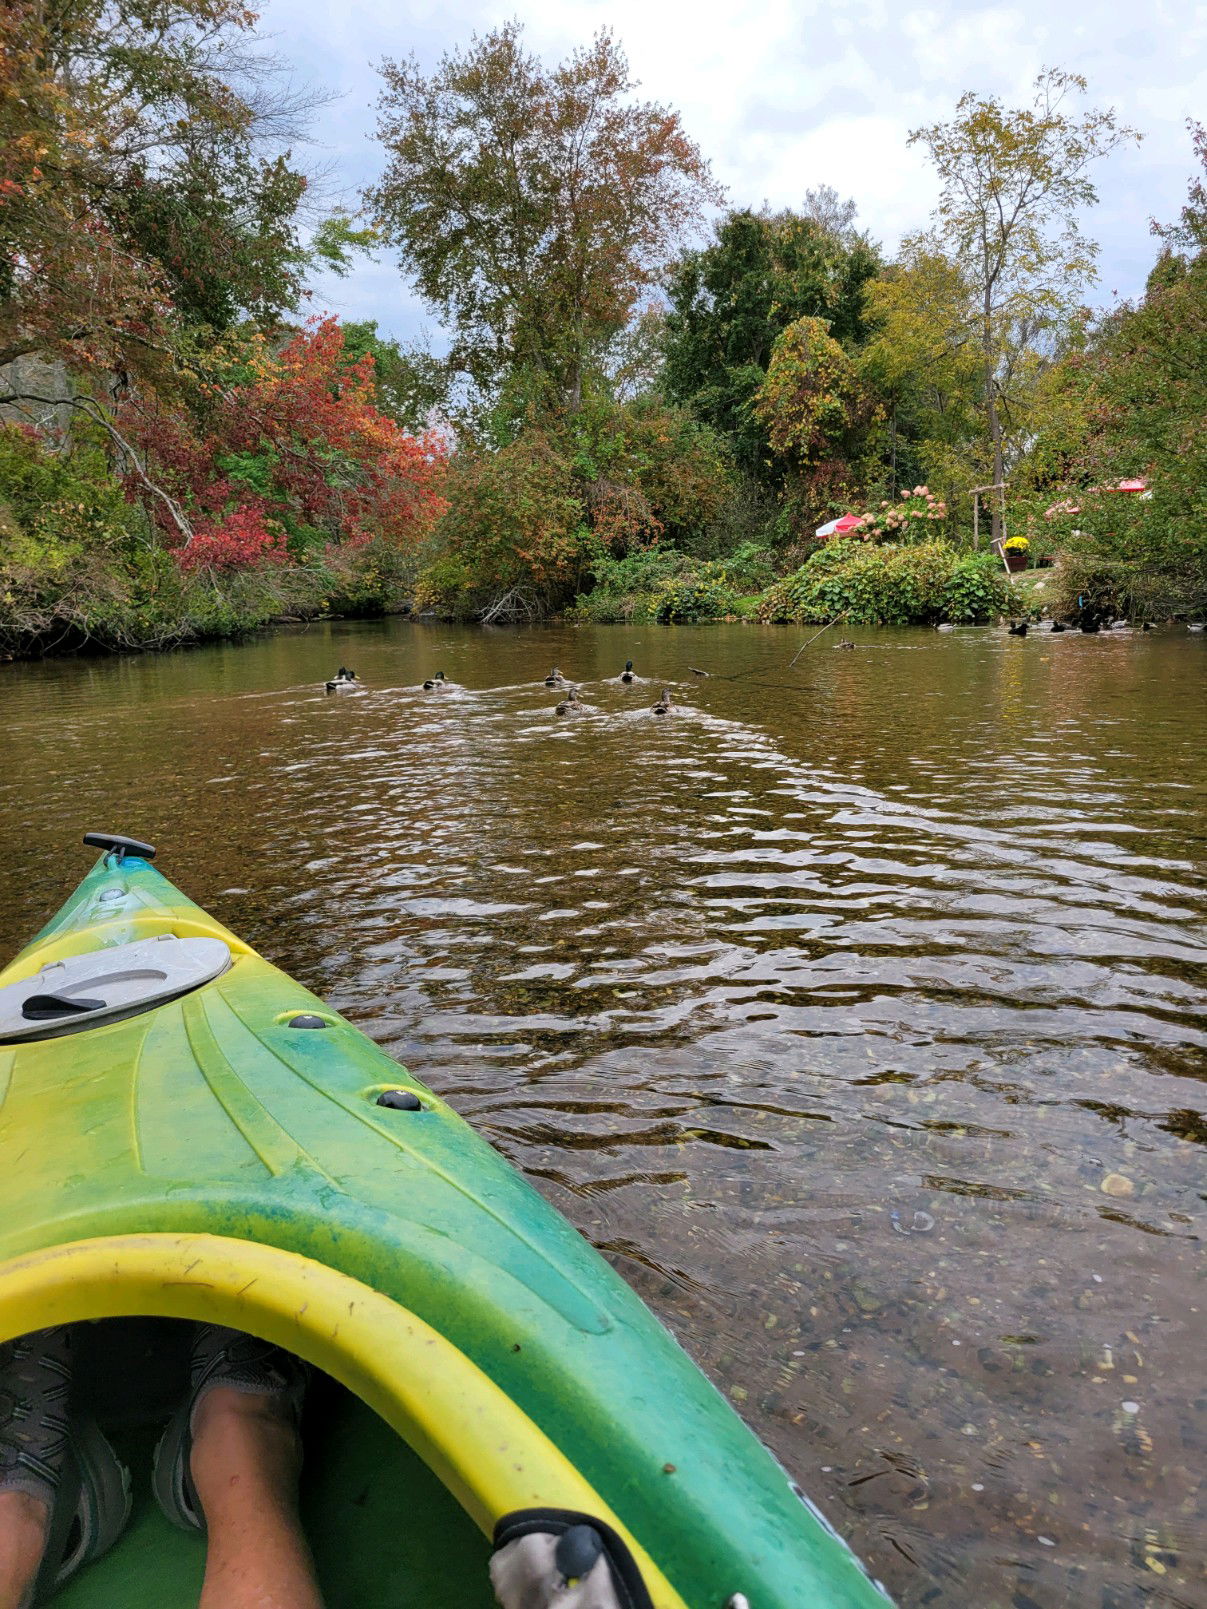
<point>1117,1184</point>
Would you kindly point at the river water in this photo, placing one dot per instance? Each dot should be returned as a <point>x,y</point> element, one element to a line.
<point>855,1011</point>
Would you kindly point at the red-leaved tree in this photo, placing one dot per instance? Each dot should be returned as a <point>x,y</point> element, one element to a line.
<point>285,452</point>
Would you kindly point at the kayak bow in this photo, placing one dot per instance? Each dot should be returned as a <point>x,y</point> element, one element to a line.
<point>186,1132</point>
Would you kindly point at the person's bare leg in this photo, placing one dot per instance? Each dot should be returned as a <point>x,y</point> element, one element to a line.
<point>23,1522</point>
<point>245,1463</point>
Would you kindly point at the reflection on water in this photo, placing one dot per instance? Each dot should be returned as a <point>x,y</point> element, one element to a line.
<point>855,1013</point>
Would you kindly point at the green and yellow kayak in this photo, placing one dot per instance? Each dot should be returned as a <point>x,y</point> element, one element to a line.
<point>187,1133</point>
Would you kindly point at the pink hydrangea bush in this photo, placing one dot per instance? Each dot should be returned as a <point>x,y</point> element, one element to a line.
<point>905,520</point>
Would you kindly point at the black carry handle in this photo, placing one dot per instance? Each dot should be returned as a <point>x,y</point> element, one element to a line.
<point>120,846</point>
<point>46,1007</point>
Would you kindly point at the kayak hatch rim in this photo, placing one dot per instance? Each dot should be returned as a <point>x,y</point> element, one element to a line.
<point>492,1457</point>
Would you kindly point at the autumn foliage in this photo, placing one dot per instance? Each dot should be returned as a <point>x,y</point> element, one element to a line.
<point>286,452</point>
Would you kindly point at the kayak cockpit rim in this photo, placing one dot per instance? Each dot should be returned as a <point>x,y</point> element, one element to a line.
<point>490,1455</point>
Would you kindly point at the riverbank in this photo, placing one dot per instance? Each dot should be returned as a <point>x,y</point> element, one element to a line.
<point>142,600</point>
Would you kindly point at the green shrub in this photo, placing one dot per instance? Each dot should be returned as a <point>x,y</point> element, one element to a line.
<point>977,590</point>
<point>514,527</point>
<point>1145,558</point>
<point>701,594</point>
<point>658,584</point>
<point>889,586</point>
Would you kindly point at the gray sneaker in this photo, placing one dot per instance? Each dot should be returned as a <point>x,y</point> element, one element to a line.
<point>52,1453</point>
<point>220,1357</point>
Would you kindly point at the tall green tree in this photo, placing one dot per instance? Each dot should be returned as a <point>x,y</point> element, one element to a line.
<point>532,205</point>
<point>730,301</point>
<point>411,384</point>
<point>923,358</point>
<point>1013,183</point>
<point>1133,401</point>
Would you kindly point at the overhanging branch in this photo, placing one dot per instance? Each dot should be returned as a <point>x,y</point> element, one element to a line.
<point>93,409</point>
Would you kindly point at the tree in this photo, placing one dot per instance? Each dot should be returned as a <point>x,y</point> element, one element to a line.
<point>286,452</point>
<point>815,411</point>
<point>730,301</point>
<point>923,358</point>
<point>141,180</point>
<point>829,211</point>
<point>1135,395</point>
<point>412,385</point>
<point>1013,182</point>
<point>811,396</point>
<point>532,205</point>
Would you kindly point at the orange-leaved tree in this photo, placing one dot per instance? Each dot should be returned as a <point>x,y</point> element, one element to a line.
<point>286,453</point>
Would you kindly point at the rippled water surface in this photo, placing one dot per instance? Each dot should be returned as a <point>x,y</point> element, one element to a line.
<point>855,1012</point>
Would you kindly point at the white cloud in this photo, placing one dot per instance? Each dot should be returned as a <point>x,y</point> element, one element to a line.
<point>785,94</point>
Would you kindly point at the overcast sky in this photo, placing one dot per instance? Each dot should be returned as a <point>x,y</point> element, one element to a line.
<point>782,95</point>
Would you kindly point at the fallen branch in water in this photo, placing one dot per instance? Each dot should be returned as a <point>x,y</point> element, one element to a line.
<point>815,636</point>
<point>753,670</point>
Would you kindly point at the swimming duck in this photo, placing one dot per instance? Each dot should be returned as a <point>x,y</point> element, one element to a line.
<point>570,705</point>
<point>1018,628</point>
<point>1059,625</point>
<point>556,679</point>
<point>439,683</point>
<point>696,672</point>
<point>845,643</point>
<point>945,626</point>
<point>664,705</point>
<point>1195,625</point>
<point>628,675</point>
<point>342,680</point>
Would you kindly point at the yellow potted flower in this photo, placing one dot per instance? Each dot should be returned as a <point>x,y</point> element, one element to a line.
<point>1016,549</point>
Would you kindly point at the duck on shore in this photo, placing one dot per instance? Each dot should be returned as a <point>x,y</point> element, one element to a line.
<point>439,683</point>
<point>343,681</point>
<point>664,706</point>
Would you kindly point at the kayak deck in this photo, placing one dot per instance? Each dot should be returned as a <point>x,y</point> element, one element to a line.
<point>225,1156</point>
